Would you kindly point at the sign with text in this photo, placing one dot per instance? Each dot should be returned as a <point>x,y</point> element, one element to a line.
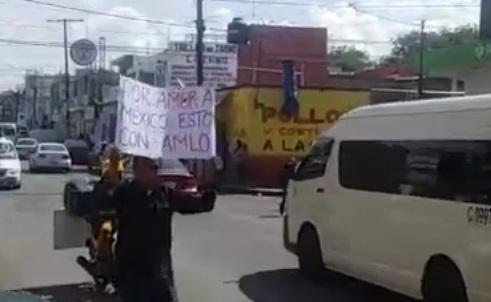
<point>255,118</point>
<point>166,122</point>
<point>219,64</point>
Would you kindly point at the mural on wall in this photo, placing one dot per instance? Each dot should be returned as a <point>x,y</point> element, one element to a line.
<point>255,117</point>
<point>261,139</point>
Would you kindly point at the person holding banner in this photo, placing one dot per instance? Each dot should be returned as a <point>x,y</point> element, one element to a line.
<point>143,248</point>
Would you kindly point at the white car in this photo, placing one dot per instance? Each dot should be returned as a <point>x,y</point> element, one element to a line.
<point>25,147</point>
<point>50,156</point>
<point>10,168</point>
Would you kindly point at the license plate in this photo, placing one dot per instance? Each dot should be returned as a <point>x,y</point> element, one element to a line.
<point>170,184</point>
<point>54,162</point>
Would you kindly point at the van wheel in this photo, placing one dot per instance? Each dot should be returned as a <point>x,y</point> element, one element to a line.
<point>443,282</point>
<point>309,253</point>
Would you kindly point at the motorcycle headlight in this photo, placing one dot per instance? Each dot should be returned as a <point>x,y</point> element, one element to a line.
<point>13,172</point>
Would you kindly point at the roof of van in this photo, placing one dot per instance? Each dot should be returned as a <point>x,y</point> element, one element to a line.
<point>451,104</point>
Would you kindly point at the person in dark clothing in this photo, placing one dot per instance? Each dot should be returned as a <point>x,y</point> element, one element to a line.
<point>143,248</point>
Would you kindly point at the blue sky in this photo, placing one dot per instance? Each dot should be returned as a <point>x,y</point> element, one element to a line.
<point>21,20</point>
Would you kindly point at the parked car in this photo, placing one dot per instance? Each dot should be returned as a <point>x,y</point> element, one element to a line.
<point>79,151</point>
<point>10,168</point>
<point>26,147</point>
<point>173,175</point>
<point>50,156</point>
<point>184,186</point>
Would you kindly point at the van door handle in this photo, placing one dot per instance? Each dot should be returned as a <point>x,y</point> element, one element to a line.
<point>320,190</point>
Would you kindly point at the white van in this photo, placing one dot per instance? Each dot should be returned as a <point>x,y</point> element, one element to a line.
<point>399,195</point>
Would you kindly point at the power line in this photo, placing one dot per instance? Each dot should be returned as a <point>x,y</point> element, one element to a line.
<point>367,6</point>
<point>350,41</point>
<point>413,5</point>
<point>13,24</point>
<point>29,25</point>
<point>144,50</point>
<point>188,25</point>
<point>132,33</point>
<point>100,13</point>
<point>111,48</point>
<point>286,3</point>
<point>356,8</point>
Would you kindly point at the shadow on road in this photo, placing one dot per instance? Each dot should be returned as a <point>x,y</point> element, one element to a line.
<point>287,285</point>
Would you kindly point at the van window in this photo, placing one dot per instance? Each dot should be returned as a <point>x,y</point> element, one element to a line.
<point>314,164</point>
<point>439,169</point>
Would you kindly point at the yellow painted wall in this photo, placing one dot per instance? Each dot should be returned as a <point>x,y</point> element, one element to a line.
<point>252,115</point>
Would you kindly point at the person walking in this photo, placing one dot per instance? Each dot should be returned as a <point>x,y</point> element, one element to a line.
<point>143,248</point>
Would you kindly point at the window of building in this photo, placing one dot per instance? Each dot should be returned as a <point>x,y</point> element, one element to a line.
<point>447,170</point>
<point>314,164</point>
<point>147,77</point>
<point>75,88</point>
<point>86,84</point>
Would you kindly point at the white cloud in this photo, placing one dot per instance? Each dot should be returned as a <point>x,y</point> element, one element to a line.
<point>343,23</point>
<point>384,24</point>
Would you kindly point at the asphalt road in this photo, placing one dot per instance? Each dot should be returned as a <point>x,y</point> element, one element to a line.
<point>232,254</point>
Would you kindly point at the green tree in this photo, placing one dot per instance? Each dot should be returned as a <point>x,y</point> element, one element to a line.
<point>406,47</point>
<point>349,58</point>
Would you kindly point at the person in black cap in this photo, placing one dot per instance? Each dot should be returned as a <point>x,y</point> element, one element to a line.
<point>143,248</point>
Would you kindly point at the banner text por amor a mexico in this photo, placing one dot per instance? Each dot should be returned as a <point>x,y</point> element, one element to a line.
<point>166,122</point>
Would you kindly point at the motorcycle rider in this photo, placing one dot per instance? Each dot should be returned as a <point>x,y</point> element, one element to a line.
<point>143,248</point>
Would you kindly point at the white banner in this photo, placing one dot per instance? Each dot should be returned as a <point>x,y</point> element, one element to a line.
<point>166,122</point>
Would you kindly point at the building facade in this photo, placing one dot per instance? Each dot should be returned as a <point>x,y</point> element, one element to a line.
<point>9,106</point>
<point>260,60</point>
<point>87,97</point>
<point>39,106</point>
<point>468,65</point>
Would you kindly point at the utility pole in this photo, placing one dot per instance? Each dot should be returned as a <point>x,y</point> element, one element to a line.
<point>422,47</point>
<point>200,30</point>
<point>67,72</point>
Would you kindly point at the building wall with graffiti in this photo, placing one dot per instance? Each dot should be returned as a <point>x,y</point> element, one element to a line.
<point>256,139</point>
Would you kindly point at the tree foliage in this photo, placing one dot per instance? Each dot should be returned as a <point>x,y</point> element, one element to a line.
<point>406,47</point>
<point>349,58</point>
